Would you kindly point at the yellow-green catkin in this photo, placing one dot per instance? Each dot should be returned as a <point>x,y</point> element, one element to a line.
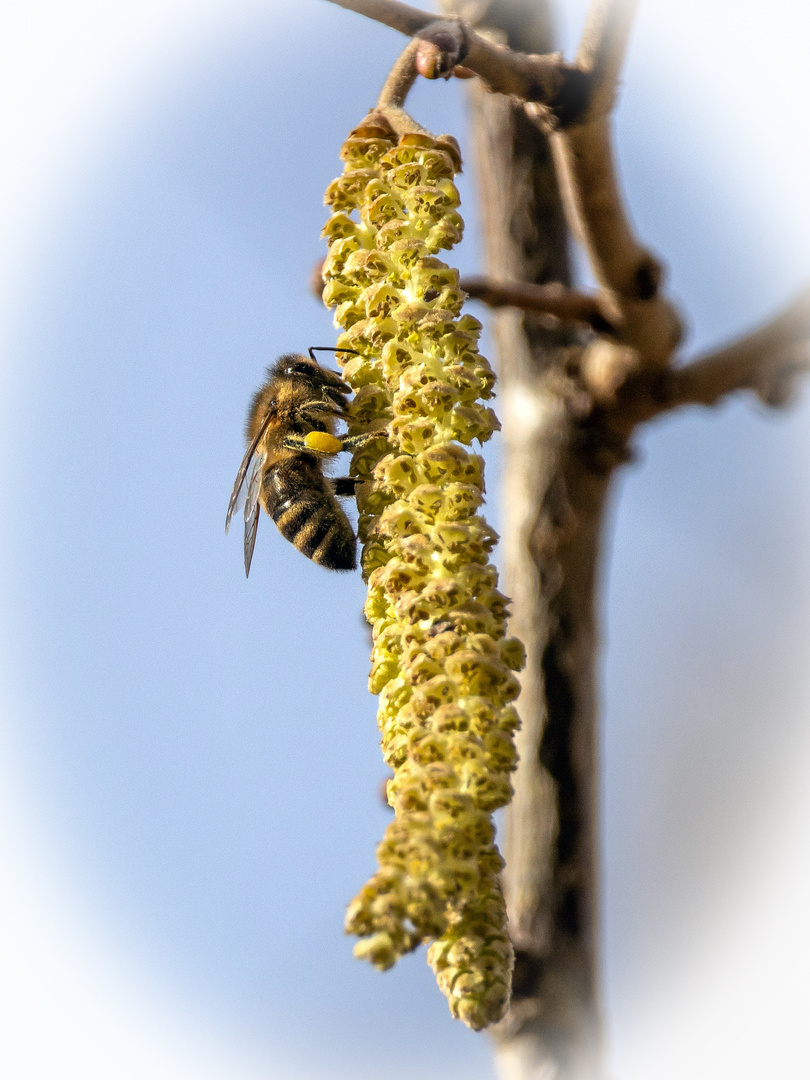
<point>441,662</point>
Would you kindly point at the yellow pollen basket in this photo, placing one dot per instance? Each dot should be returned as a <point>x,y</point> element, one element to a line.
<point>322,442</point>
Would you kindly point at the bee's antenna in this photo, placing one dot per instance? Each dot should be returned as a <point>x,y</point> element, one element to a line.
<point>328,348</point>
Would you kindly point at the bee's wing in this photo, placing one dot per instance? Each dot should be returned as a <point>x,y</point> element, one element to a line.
<point>241,476</point>
<point>252,507</point>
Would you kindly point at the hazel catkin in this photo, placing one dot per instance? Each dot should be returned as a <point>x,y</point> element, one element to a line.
<point>441,662</point>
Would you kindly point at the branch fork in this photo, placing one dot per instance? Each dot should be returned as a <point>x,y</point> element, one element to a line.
<point>631,369</point>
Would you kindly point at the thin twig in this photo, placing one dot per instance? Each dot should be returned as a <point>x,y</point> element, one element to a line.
<point>561,88</point>
<point>555,299</point>
<point>400,79</point>
<point>408,20</point>
<point>763,361</point>
<point>584,158</point>
<point>603,48</point>
<point>766,362</point>
<point>628,274</point>
<point>396,88</point>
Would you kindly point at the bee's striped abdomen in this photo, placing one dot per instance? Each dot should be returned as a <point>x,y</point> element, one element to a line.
<point>298,498</point>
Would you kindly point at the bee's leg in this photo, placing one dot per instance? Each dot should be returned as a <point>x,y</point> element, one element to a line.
<point>316,409</point>
<point>295,442</point>
<point>344,485</point>
<point>320,443</point>
<point>336,401</point>
<point>351,442</point>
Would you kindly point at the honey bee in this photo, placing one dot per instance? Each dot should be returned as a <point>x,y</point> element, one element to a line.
<point>290,432</point>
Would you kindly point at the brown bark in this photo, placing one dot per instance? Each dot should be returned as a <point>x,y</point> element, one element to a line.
<point>556,481</point>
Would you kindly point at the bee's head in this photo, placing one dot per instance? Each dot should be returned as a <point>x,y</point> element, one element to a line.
<point>310,372</point>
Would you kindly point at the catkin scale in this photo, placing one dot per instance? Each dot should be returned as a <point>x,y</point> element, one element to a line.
<point>441,662</point>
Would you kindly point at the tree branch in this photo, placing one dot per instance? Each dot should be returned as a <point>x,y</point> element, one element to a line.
<point>396,89</point>
<point>764,361</point>
<point>602,50</point>
<point>408,20</point>
<point>555,299</point>
<point>550,828</point>
<point>400,79</point>
<point>767,362</point>
<point>629,275</point>
<point>562,89</point>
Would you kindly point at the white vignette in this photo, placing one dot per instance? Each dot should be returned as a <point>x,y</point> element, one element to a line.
<point>70,1004</point>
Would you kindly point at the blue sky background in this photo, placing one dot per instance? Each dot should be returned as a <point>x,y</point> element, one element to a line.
<point>193,757</point>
